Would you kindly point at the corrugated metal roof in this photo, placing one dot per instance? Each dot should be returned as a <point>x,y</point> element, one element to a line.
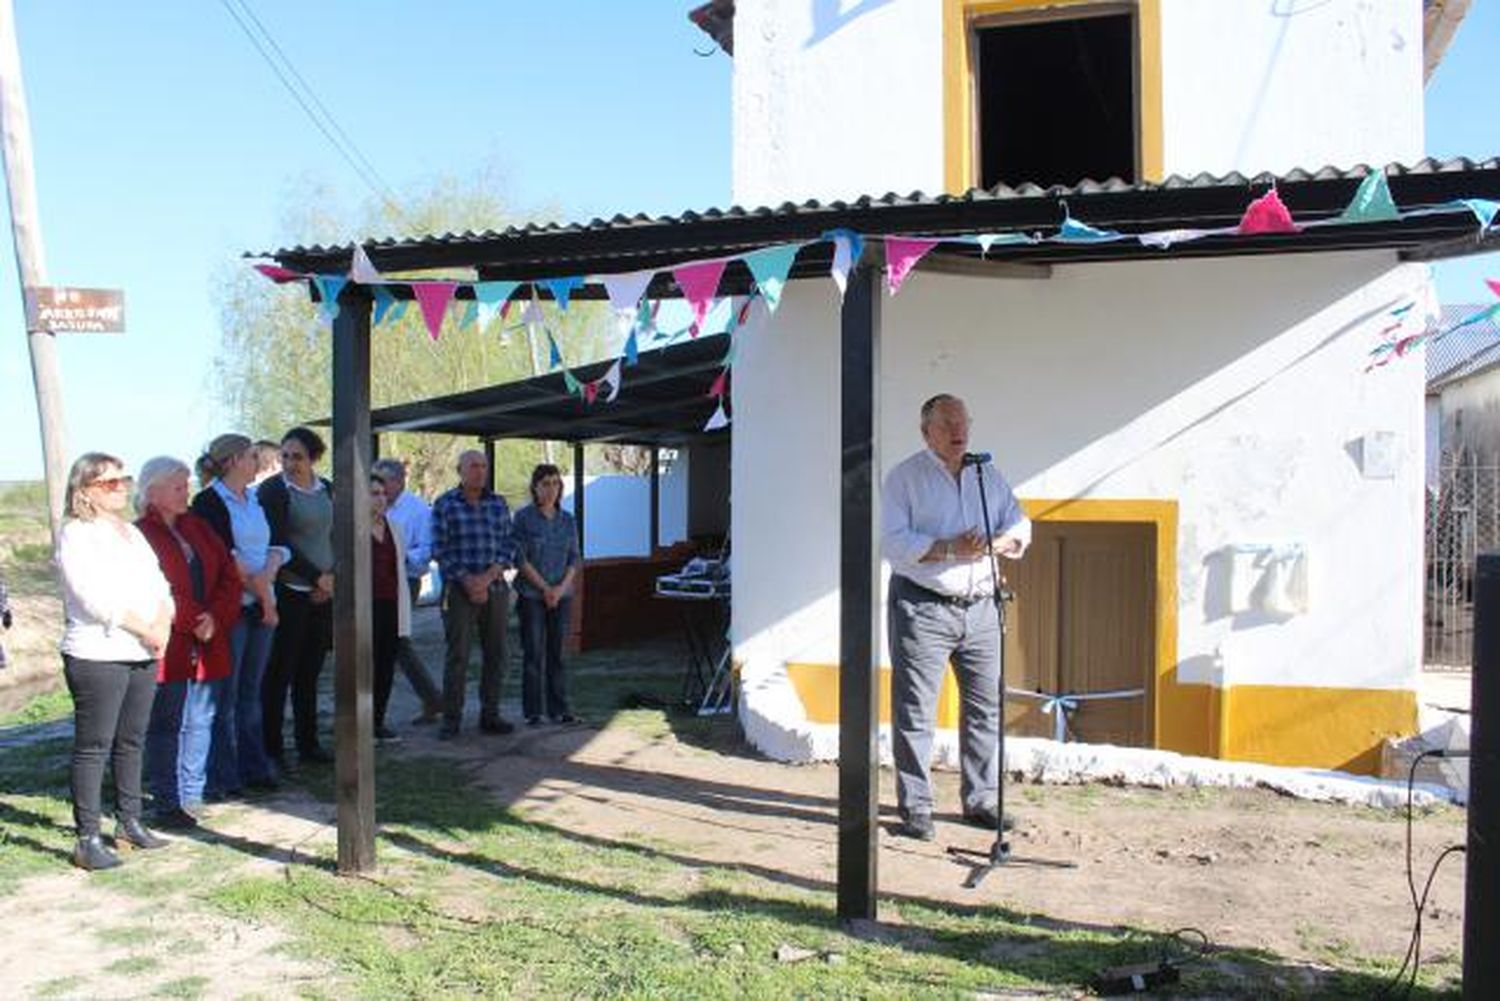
<point>624,243</point>
<point>1463,352</point>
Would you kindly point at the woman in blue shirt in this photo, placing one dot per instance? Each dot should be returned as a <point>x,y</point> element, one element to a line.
<point>548,557</point>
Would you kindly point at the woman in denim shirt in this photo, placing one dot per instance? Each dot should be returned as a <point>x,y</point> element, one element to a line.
<point>548,557</point>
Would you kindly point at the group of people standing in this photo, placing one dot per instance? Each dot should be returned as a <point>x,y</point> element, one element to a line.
<point>187,628</point>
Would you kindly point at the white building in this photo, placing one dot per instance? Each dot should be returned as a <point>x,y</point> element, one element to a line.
<point>1228,507</point>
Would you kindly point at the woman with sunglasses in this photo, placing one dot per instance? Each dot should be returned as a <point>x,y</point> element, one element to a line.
<point>299,508</point>
<point>117,611</point>
<point>547,554</point>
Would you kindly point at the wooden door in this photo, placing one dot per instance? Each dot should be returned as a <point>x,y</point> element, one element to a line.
<point>1084,622</point>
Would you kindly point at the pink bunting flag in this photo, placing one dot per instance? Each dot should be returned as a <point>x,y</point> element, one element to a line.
<point>278,274</point>
<point>717,389</point>
<point>590,390</point>
<point>1494,284</point>
<point>433,297</point>
<point>1267,214</point>
<point>901,255</point>
<point>699,283</point>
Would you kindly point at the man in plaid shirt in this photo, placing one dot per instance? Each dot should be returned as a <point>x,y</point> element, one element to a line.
<point>472,542</point>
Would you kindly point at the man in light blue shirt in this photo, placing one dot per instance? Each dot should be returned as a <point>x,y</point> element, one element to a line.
<point>941,609</point>
<point>411,516</point>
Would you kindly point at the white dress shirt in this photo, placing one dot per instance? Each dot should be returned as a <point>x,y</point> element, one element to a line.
<point>922,502</point>
<point>413,519</point>
<point>107,574</point>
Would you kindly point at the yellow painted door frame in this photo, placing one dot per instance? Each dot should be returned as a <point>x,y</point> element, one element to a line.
<point>959,155</point>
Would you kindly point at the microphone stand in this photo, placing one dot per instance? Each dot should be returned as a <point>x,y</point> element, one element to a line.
<point>999,852</point>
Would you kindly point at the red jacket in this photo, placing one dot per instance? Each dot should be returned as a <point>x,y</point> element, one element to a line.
<point>221,590</point>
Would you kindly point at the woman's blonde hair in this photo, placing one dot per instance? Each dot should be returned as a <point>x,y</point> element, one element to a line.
<point>86,469</point>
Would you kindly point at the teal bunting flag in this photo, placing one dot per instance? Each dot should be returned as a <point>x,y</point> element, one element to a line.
<point>555,360</point>
<point>329,287</point>
<point>631,351</point>
<point>1484,210</point>
<point>562,289</point>
<point>1073,231</point>
<point>574,386</point>
<point>770,267</point>
<point>1372,202</point>
<point>384,300</point>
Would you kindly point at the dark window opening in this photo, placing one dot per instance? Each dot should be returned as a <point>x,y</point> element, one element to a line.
<point>1056,101</point>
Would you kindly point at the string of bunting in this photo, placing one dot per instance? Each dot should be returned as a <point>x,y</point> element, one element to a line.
<point>639,319</point>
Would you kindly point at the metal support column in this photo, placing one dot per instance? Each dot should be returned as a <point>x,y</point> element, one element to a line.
<point>859,591</point>
<point>578,492</point>
<point>655,499</point>
<point>1482,863</point>
<point>354,743</point>
<point>489,458</point>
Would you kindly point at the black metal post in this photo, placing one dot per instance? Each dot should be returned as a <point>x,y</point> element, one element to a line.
<point>655,499</point>
<point>354,743</point>
<point>578,492</point>
<point>859,592</point>
<point>1482,864</point>
<point>489,458</point>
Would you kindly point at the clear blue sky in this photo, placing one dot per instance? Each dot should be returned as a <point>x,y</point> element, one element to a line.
<point>164,147</point>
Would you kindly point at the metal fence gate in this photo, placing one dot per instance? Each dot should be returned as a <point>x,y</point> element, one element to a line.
<point>1463,519</point>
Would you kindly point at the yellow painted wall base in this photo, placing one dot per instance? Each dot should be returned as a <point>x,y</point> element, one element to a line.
<point>1278,725</point>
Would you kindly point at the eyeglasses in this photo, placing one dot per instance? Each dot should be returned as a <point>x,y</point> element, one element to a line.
<point>113,482</point>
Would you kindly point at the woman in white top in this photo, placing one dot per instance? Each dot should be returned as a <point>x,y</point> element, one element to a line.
<point>118,617</point>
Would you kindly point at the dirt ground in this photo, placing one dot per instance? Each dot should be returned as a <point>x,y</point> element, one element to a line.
<point>1249,868</point>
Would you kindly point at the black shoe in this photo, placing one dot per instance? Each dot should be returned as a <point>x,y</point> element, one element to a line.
<point>566,719</point>
<point>496,726</point>
<point>385,735</point>
<point>90,854</point>
<point>131,834</point>
<point>984,816</point>
<point>175,820</point>
<point>315,756</point>
<point>917,825</point>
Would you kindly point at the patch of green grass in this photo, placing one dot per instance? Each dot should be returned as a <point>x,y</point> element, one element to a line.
<point>47,707</point>
<point>35,816</point>
<point>59,987</point>
<point>182,987</point>
<point>126,935</point>
<point>133,964</point>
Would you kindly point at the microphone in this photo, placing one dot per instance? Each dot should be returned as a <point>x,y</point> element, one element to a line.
<point>977,458</point>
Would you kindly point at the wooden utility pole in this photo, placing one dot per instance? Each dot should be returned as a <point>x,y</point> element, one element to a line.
<point>15,157</point>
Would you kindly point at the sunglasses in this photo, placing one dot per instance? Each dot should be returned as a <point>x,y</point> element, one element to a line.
<point>113,482</point>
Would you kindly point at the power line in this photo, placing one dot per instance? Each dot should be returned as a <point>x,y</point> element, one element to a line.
<point>316,111</point>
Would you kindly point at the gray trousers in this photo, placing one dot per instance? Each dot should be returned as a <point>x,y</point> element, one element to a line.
<point>462,619</point>
<point>925,635</point>
<point>411,663</point>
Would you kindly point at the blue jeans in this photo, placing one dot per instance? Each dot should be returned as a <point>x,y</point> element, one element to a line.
<point>177,741</point>
<point>544,686</point>
<point>239,748</point>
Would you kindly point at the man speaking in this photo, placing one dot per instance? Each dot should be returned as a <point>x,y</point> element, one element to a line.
<point>941,608</point>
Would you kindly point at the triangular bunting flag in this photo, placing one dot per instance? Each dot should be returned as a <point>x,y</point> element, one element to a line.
<point>467,317</point>
<point>699,283</point>
<point>361,270</point>
<point>554,358</point>
<point>384,300</point>
<point>1073,231</point>
<point>901,255</point>
<point>769,267</point>
<point>1494,284</point>
<point>988,240</point>
<point>433,297</point>
<point>847,248</point>
<point>632,352</point>
<point>717,389</point>
<point>1372,202</point>
<point>718,420</point>
<point>532,316</point>
<point>570,381</point>
<point>625,290</point>
<point>329,287</point>
<point>590,390</point>
<point>613,378</point>
<point>1484,210</point>
<point>1267,214</point>
<point>491,296</point>
<point>278,274</point>
<point>562,288</point>
<point>1162,239</point>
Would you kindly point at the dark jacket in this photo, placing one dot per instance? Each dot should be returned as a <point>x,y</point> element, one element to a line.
<point>276,501</point>
<point>208,505</point>
<point>186,658</point>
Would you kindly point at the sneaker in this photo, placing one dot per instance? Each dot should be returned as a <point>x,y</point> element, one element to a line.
<point>385,735</point>
<point>917,825</point>
<point>984,816</point>
<point>496,726</point>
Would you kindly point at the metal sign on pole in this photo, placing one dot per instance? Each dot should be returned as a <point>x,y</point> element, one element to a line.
<point>56,309</point>
<point>15,157</point>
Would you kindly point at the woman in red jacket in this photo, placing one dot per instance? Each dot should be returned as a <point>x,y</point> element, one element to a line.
<point>206,590</point>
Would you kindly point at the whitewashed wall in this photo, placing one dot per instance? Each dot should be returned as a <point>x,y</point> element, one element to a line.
<point>617,511</point>
<point>841,98</point>
<point>1234,386</point>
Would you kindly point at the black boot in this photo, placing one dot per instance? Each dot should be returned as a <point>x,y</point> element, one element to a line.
<point>130,834</point>
<point>91,854</point>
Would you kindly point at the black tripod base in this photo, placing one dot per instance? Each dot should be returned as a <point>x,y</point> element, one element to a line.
<point>999,855</point>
